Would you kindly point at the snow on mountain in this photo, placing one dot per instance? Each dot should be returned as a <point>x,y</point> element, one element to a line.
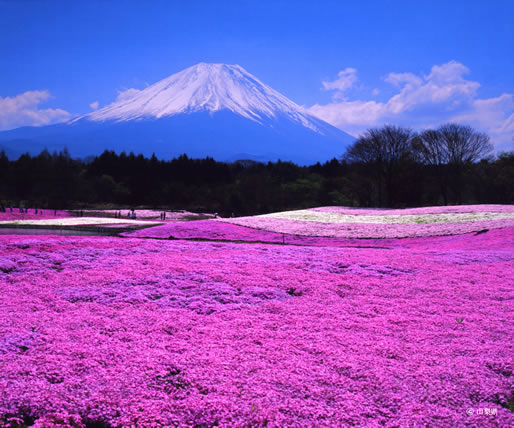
<point>207,87</point>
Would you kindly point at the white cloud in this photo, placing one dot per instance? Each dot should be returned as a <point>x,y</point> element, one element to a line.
<point>351,116</point>
<point>94,105</point>
<point>400,79</point>
<point>444,84</point>
<point>492,114</point>
<point>22,110</point>
<point>422,101</point>
<point>127,94</point>
<point>345,80</point>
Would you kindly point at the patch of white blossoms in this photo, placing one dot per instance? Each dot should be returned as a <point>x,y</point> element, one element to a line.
<point>330,217</point>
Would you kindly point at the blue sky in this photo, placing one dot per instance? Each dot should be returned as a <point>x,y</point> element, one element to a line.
<point>356,64</point>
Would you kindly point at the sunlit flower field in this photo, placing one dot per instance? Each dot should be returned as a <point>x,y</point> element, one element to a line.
<point>324,317</point>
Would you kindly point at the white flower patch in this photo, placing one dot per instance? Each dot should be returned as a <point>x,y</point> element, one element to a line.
<point>77,221</point>
<point>331,217</point>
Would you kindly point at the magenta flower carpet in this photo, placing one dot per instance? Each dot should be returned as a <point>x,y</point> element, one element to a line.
<point>31,215</point>
<point>321,331</point>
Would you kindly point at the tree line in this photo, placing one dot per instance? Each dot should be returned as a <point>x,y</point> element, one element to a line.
<point>389,166</point>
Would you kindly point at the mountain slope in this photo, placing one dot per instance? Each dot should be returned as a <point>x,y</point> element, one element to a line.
<point>213,110</point>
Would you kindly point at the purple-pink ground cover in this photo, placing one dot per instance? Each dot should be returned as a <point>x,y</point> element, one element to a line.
<point>206,229</point>
<point>221,231</point>
<point>365,230</point>
<point>336,235</point>
<point>31,215</point>
<point>142,332</point>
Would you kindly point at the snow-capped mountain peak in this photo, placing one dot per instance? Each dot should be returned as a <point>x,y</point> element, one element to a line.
<point>214,110</point>
<point>211,88</point>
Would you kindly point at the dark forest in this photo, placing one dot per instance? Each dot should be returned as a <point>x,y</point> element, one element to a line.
<point>387,167</point>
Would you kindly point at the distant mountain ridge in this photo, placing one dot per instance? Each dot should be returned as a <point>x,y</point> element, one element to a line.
<point>213,110</point>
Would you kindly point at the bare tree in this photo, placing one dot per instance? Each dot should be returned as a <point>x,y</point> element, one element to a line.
<point>449,148</point>
<point>368,152</point>
<point>429,145</point>
<point>383,150</point>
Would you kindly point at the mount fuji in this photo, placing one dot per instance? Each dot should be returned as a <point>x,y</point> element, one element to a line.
<point>215,110</point>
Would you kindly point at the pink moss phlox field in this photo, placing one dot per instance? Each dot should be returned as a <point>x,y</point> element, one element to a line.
<point>31,215</point>
<point>419,211</point>
<point>212,230</point>
<point>142,332</point>
<point>221,231</point>
<point>366,230</point>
